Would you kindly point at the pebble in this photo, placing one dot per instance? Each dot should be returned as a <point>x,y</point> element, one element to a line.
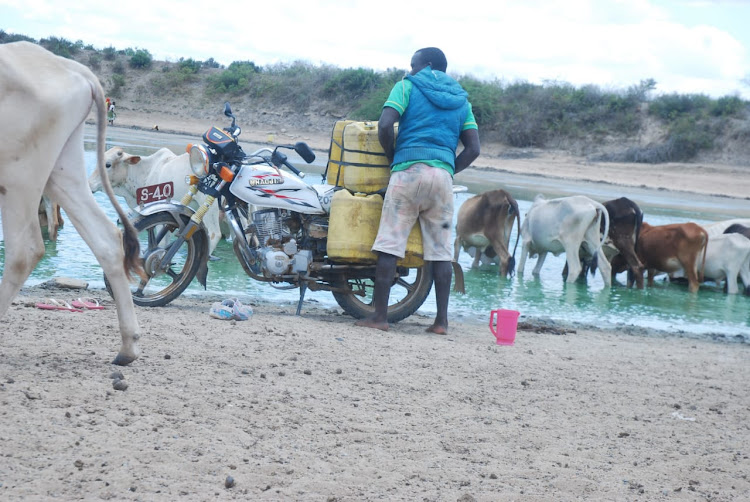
<point>229,482</point>
<point>120,384</point>
<point>117,375</point>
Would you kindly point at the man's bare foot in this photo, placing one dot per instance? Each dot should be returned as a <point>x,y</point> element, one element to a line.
<point>369,323</point>
<point>437,329</point>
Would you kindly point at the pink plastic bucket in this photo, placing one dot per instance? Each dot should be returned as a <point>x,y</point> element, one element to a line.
<point>504,328</point>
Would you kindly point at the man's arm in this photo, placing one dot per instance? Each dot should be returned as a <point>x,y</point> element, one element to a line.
<point>386,136</point>
<point>470,140</point>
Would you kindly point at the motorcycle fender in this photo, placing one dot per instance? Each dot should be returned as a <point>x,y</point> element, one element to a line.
<point>177,210</point>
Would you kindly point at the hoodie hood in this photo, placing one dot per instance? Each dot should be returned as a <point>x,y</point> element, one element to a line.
<point>440,89</point>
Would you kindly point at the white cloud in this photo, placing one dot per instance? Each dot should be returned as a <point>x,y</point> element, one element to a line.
<point>610,43</point>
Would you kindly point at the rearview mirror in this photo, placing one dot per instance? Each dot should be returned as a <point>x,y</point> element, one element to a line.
<point>304,151</point>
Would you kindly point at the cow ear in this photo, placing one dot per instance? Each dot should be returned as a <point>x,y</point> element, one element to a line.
<point>134,159</point>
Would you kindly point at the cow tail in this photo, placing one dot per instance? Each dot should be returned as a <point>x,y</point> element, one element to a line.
<point>602,217</point>
<point>512,260</point>
<point>130,245</point>
<point>703,261</point>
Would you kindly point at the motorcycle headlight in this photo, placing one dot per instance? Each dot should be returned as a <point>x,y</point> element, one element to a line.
<point>199,160</point>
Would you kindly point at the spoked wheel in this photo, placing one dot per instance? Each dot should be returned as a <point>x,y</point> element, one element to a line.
<point>407,295</point>
<point>156,233</point>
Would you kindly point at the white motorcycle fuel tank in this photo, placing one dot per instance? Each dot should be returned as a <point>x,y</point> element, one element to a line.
<point>262,186</point>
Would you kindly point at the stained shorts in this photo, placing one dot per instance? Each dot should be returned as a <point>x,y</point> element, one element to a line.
<point>422,192</point>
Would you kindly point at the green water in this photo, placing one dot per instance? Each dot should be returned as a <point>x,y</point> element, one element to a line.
<point>666,306</point>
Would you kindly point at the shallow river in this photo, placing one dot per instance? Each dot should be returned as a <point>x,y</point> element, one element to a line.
<point>666,306</point>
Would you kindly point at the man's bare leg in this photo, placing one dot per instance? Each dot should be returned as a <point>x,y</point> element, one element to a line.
<point>385,270</point>
<point>442,273</point>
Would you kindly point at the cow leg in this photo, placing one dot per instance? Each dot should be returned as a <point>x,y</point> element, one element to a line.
<point>499,242</point>
<point>573,260</point>
<point>690,265</point>
<point>539,263</point>
<point>525,248</point>
<point>24,246</point>
<point>732,287</point>
<point>67,185</point>
<point>605,269</point>
<point>477,257</point>
<point>744,273</point>
<point>211,222</point>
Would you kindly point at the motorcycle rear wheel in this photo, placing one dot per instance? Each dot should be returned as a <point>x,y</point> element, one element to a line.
<point>407,295</point>
<point>161,287</point>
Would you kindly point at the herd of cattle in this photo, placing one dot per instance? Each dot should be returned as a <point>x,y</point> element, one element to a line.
<point>45,101</point>
<point>611,236</point>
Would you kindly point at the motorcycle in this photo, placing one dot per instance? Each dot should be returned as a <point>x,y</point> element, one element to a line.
<point>278,222</point>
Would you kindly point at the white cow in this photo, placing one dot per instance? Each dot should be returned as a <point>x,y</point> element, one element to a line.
<point>565,225</point>
<point>718,227</point>
<point>727,256</point>
<point>44,101</point>
<point>129,172</point>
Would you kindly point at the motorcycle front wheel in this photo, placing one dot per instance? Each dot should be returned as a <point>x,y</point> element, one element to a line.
<point>156,233</point>
<point>407,295</point>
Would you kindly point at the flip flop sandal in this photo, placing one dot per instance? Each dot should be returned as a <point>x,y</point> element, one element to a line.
<point>220,310</point>
<point>87,304</point>
<point>241,312</point>
<point>52,304</point>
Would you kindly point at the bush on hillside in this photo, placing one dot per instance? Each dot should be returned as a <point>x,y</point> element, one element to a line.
<point>61,46</point>
<point>141,58</point>
<point>6,38</point>
<point>234,80</point>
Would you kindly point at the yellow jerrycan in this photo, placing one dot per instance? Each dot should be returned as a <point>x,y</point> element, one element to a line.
<point>355,148</point>
<point>353,226</point>
<point>335,167</point>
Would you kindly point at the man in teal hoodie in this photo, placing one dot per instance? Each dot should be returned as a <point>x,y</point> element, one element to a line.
<point>433,113</point>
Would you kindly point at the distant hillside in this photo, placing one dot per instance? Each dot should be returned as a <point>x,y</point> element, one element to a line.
<point>631,125</point>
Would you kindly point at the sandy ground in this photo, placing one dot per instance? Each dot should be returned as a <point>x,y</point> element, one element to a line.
<point>315,408</point>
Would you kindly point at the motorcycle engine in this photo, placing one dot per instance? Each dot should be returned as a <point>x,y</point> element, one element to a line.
<point>278,250</point>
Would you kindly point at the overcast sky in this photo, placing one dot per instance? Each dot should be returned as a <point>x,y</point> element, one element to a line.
<point>688,46</point>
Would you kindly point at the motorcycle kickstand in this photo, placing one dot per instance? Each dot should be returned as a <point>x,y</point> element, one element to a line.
<point>302,290</point>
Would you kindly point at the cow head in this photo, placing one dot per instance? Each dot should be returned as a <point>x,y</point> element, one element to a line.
<point>117,162</point>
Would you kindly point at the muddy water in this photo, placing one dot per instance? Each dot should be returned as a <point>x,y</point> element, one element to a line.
<point>666,306</point>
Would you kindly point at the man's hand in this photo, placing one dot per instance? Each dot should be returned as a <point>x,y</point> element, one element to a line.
<point>470,140</point>
<point>386,134</point>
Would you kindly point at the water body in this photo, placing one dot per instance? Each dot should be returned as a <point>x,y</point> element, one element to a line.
<point>667,307</point>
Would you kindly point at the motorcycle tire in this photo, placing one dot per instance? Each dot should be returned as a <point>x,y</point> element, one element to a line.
<point>162,287</point>
<point>407,295</point>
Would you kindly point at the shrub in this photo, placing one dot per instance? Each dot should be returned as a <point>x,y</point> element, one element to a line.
<point>110,53</point>
<point>118,82</point>
<point>61,46</point>
<point>728,106</point>
<point>95,61</point>
<point>672,106</point>
<point>189,65</point>
<point>235,79</point>
<point>141,59</point>
<point>6,38</point>
<point>352,84</point>
<point>118,67</point>
<point>211,63</point>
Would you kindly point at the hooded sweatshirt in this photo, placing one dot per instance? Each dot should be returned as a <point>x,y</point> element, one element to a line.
<point>430,127</point>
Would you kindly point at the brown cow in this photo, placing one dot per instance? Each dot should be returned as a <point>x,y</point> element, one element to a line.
<point>625,219</point>
<point>669,248</point>
<point>485,221</point>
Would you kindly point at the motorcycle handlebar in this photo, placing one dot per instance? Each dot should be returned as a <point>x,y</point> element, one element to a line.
<point>294,169</point>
